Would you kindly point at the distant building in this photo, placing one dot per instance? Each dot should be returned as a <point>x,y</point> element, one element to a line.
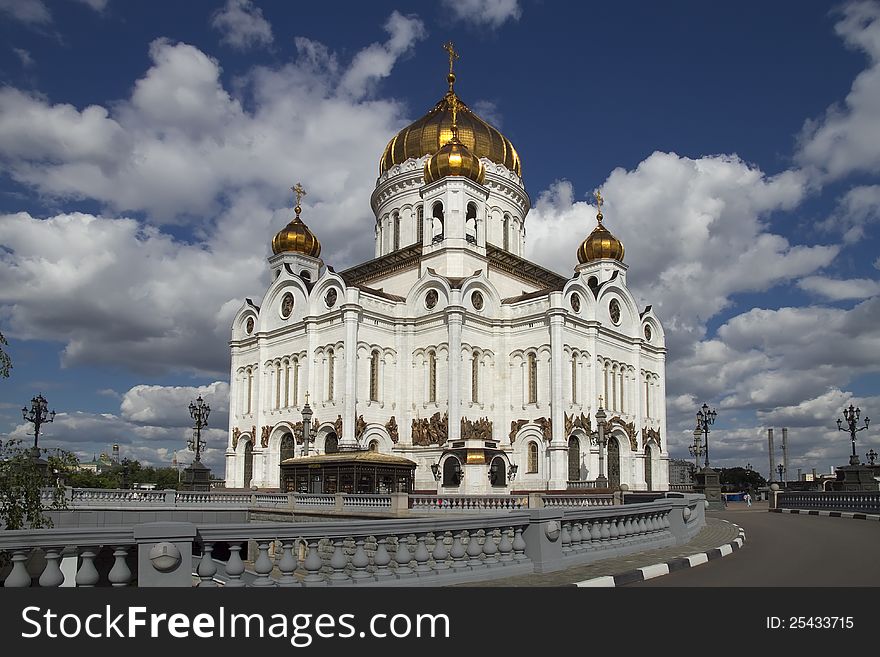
<point>681,472</point>
<point>96,465</point>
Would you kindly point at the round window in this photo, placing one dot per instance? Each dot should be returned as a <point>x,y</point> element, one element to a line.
<point>286,305</point>
<point>647,333</point>
<point>330,298</point>
<point>431,299</point>
<point>477,300</point>
<point>614,311</point>
<point>249,325</point>
<point>576,302</point>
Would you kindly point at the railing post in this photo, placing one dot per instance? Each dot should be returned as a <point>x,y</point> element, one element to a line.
<point>543,539</point>
<point>165,553</point>
<point>170,497</point>
<point>400,504</point>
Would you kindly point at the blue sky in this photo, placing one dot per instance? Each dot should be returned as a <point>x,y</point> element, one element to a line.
<point>147,150</point>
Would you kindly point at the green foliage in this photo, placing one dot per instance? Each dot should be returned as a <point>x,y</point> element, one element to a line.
<point>5,360</point>
<point>741,479</point>
<point>31,484</point>
<point>125,475</point>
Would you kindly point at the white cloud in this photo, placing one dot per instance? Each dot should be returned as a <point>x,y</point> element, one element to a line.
<point>168,406</point>
<point>490,13</point>
<point>27,11</point>
<point>25,56</point>
<point>97,5</point>
<point>242,25</point>
<point>839,290</point>
<point>859,207</point>
<point>847,138</point>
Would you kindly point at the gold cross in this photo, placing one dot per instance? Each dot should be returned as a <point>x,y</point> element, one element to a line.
<point>600,401</point>
<point>450,48</point>
<point>299,190</point>
<point>307,397</point>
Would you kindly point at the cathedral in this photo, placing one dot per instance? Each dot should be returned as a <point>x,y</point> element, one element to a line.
<point>449,349</point>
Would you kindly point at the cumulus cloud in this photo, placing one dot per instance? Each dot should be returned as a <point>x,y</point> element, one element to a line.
<point>847,138</point>
<point>167,406</point>
<point>858,208</point>
<point>840,290</point>
<point>97,5</point>
<point>489,13</point>
<point>32,12</point>
<point>242,25</point>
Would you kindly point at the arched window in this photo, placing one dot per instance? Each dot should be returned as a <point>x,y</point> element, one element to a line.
<point>286,383</point>
<point>475,378</point>
<point>506,229</point>
<point>533,379</point>
<point>647,398</point>
<point>532,464</point>
<point>622,388</point>
<point>420,224</point>
<point>574,379</point>
<point>451,472</point>
<point>574,459</point>
<point>396,231</point>
<point>250,388</point>
<point>288,447</point>
<point>331,368</point>
<point>331,444</point>
<point>374,376</point>
<point>432,376</point>
<point>248,464</point>
<point>497,472</point>
<point>649,469</point>
<point>296,381</point>
<point>470,223</point>
<point>437,214</point>
<point>374,446</point>
<point>277,385</point>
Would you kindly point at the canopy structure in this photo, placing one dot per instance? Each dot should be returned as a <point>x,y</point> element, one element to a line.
<point>362,472</point>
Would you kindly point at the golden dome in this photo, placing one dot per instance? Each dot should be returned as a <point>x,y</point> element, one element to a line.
<point>454,159</point>
<point>296,237</point>
<point>600,243</point>
<point>434,130</point>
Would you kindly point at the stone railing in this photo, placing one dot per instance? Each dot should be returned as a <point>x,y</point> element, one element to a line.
<point>468,502</point>
<point>580,484</point>
<point>550,501</point>
<point>433,551</point>
<point>856,502</point>
<point>682,488</point>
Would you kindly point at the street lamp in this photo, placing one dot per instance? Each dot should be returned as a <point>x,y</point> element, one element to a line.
<point>307,426</point>
<point>696,449</point>
<point>872,455</point>
<point>199,412</point>
<point>780,469</point>
<point>851,415</point>
<point>38,414</point>
<point>601,440</point>
<point>435,471</point>
<point>705,419</point>
<point>511,471</point>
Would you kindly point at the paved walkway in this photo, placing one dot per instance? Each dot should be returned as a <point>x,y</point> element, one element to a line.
<point>716,533</point>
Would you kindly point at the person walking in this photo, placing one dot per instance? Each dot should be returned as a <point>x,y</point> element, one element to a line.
<point>748,499</point>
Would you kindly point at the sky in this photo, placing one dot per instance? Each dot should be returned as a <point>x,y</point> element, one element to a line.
<point>147,150</point>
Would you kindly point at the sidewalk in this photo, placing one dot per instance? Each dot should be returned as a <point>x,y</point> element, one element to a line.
<point>716,535</point>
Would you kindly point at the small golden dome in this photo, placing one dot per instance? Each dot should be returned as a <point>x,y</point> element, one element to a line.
<point>296,237</point>
<point>454,159</point>
<point>600,243</point>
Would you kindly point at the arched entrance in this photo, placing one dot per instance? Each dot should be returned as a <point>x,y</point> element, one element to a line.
<point>248,464</point>
<point>452,472</point>
<point>574,459</point>
<point>613,462</point>
<point>331,443</point>
<point>498,472</point>
<point>288,447</point>
<point>649,468</point>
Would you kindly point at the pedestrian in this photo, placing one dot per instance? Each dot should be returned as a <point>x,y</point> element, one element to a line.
<point>748,499</point>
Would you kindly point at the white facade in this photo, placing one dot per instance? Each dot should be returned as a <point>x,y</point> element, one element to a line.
<point>450,345</point>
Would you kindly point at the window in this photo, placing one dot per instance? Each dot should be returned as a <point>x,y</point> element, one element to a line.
<point>470,223</point>
<point>647,399</point>
<point>295,381</point>
<point>475,378</point>
<point>277,385</point>
<point>532,465</point>
<point>286,383</point>
<point>574,459</point>
<point>396,231</point>
<point>250,388</point>
<point>533,379</point>
<point>288,447</point>
<point>506,229</point>
<point>574,379</point>
<point>451,472</point>
<point>331,366</point>
<point>374,376</point>
<point>331,444</point>
<point>437,214</point>
<point>432,377</point>
<point>420,223</point>
<point>374,446</point>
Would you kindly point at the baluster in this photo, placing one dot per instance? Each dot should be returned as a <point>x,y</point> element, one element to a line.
<point>490,549</point>
<point>505,547</point>
<point>655,523</point>
<point>87,575</point>
<point>474,550</point>
<point>606,532</point>
<point>234,567</point>
<point>313,565</point>
<point>381,559</point>
<point>612,529</point>
<point>287,564</point>
<point>52,575</point>
<point>643,526</point>
<point>403,557</point>
<point>120,574</point>
<point>338,563</point>
<point>19,577</point>
<point>576,537</point>
<point>359,561</point>
<point>422,556</point>
<point>519,546</point>
<point>458,552</point>
<point>441,552</point>
<point>207,568</point>
<point>566,538</point>
<point>595,533</point>
<point>263,565</point>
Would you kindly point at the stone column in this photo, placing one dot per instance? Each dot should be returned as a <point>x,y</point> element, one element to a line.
<point>454,318</point>
<point>558,447</point>
<point>350,314</point>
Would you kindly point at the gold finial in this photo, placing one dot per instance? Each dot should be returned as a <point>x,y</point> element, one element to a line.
<point>307,397</point>
<point>599,199</point>
<point>300,191</point>
<point>600,401</point>
<point>450,48</point>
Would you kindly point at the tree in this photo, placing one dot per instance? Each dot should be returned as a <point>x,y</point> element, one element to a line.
<point>5,360</point>
<point>741,479</point>
<point>30,485</point>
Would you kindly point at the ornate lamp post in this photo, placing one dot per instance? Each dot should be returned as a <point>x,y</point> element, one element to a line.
<point>199,412</point>
<point>851,415</point>
<point>780,469</point>
<point>696,449</point>
<point>872,455</point>
<point>705,419</point>
<point>38,414</point>
<point>601,440</point>
<point>307,426</point>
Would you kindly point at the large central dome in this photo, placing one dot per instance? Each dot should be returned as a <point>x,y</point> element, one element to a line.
<point>434,130</point>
